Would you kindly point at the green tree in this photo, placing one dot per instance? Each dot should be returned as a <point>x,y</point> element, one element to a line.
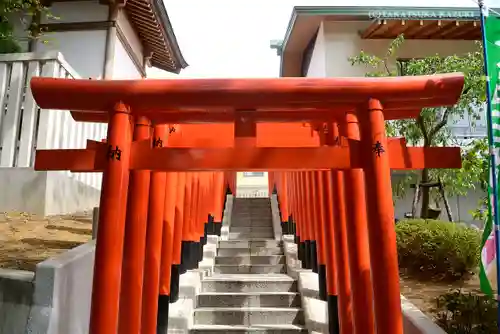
<point>29,12</point>
<point>431,127</point>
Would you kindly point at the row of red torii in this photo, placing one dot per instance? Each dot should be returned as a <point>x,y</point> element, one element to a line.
<point>173,147</point>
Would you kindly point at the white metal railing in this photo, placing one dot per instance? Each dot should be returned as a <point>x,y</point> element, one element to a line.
<point>24,128</point>
<point>252,194</point>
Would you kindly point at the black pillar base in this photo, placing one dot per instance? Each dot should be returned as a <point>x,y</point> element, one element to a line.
<point>322,282</point>
<point>217,228</point>
<point>202,243</point>
<point>333,315</point>
<point>185,256</point>
<point>285,227</point>
<point>210,227</point>
<point>293,227</point>
<point>205,232</point>
<point>300,248</point>
<point>162,318</point>
<point>314,256</point>
<point>307,264</point>
<point>195,254</point>
<point>174,283</point>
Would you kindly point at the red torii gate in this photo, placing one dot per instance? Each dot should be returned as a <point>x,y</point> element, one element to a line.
<point>150,98</point>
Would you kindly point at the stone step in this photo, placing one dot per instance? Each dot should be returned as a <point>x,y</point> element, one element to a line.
<point>248,316</point>
<point>268,224</point>
<point>248,283</point>
<point>246,260</point>
<point>255,328</point>
<point>250,251</point>
<point>244,211</point>
<point>244,299</point>
<point>249,269</point>
<point>252,201</point>
<point>250,235</point>
<point>261,221</point>
<point>251,229</point>
<point>245,243</point>
<point>252,216</point>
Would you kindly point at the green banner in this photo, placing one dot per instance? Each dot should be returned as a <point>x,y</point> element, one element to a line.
<point>488,268</point>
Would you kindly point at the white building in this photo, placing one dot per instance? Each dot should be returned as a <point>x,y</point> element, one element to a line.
<point>252,184</point>
<point>320,40</point>
<point>85,39</point>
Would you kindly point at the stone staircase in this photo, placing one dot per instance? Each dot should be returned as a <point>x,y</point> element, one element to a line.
<point>249,291</point>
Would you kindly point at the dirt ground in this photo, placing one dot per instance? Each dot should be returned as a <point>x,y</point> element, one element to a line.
<point>423,294</point>
<point>26,240</point>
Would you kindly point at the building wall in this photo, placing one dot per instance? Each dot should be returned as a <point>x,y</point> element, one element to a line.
<point>123,66</point>
<point>317,65</point>
<point>83,50</point>
<point>343,41</point>
<point>20,23</point>
<point>251,186</point>
<point>127,47</point>
<point>337,41</point>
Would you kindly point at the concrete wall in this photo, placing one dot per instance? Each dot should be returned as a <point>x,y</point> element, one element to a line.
<point>44,193</point>
<point>53,300</point>
<point>16,296</point>
<point>461,206</point>
<point>63,291</point>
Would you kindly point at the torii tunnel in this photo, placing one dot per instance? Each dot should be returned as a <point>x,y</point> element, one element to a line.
<point>171,153</point>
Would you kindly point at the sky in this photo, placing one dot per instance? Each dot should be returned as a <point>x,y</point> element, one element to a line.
<point>231,38</point>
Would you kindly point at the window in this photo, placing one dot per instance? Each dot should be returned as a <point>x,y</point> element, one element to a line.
<point>253,174</point>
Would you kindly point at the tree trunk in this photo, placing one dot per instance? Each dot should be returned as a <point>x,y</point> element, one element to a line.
<point>424,211</point>
<point>445,200</point>
<point>416,196</point>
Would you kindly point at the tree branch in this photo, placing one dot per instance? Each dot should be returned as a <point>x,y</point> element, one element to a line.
<point>441,124</point>
<point>421,125</point>
<point>386,67</point>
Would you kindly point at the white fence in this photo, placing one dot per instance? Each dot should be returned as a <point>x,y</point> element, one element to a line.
<point>24,127</point>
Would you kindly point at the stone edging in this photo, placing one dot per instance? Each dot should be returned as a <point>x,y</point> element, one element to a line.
<point>276,218</point>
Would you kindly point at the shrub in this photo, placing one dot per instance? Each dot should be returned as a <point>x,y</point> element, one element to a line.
<point>466,313</point>
<point>437,249</point>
